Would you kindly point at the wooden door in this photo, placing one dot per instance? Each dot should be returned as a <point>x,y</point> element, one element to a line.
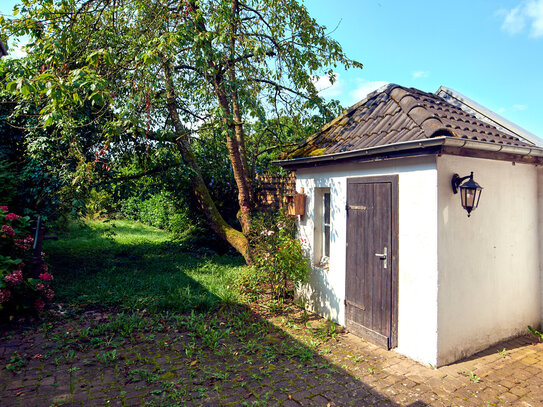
<point>371,292</point>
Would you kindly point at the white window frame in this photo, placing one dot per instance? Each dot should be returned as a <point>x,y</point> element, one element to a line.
<point>321,242</point>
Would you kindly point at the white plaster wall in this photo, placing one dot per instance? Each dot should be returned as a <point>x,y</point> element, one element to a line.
<point>325,292</point>
<point>540,212</point>
<point>489,282</point>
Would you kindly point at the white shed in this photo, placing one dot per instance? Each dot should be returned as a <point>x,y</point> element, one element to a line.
<point>395,257</point>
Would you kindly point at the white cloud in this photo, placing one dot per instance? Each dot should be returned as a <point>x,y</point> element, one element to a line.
<point>347,90</point>
<point>514,21</point>
<point>364,87</point>
<point>534,10</point>
<point>528,13</point>
<point>327,89</point>
<point>519,107</point>
<point>420,74</point>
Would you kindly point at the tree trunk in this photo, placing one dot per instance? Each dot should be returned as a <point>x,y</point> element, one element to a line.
<point>234,123</point>
<point>244,189</point>
<point>234,237</point>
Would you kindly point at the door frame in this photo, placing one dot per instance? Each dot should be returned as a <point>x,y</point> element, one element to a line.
<point>394,259</point>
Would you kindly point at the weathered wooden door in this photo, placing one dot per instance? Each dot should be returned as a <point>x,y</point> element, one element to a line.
<point>371,292</point>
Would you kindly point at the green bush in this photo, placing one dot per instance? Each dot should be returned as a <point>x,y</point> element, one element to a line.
<point>98,204</point>
<point>279,261</point>
<point>8,181</point>
<point>156,210</point>
<point>130,208</point>
<point>160,210</point>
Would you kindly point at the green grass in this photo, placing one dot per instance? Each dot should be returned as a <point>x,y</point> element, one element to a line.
<point>132,266</point>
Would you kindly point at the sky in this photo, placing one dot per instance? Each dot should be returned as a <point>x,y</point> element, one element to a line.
<point>488,50</point>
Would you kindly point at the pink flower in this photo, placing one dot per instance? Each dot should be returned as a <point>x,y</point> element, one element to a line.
<point>39,304</point>
<point>42,255</point>
<point>40,286</point>
<point>44,267</point>
<point>14,278</point>
<point>12,216</point>
<point>46,276</point>
<point>4,208</point>
<point>7,230</point>
<point>49,294</point>
<point>21,266</point>
<point>25,243</point>
<point>4,295</point>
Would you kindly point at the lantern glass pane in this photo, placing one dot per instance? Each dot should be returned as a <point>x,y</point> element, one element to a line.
<point>477,197</point>
<point>470,197</point>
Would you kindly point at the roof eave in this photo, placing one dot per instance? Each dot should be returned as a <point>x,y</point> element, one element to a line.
<point>408,146</point>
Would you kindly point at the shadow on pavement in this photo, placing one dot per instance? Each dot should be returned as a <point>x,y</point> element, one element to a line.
<point>232,357</point>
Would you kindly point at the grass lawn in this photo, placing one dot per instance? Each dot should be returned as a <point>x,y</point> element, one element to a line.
<point>149,324</point>
<point>131,267</point>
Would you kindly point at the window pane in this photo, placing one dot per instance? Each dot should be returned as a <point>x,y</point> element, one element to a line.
<point>326,242</point>
<point>327,208</point>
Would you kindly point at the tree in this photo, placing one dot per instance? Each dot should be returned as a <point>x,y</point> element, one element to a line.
<point>161,71</point>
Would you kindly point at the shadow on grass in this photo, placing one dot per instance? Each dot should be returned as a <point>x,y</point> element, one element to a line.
<point>126,352</point>
<point>135,267</point>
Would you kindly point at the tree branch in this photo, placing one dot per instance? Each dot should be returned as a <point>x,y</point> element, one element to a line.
<point>186,67</point>
<point>156,170</point>
<point>279,86</point>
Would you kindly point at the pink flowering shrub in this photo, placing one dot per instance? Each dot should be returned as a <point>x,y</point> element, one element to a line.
<point>24,280</point>
<point>279,263</point>
<point>12,216</point>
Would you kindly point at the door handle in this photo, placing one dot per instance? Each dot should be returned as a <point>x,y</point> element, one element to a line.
<point>383,256</point>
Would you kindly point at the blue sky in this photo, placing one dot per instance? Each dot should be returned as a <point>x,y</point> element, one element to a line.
<point>489,50</point>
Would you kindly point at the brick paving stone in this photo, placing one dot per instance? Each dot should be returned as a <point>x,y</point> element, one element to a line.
<point>320,400</point>
<point>301,395</point>
<point>518,390</point>
<point>386,378</point>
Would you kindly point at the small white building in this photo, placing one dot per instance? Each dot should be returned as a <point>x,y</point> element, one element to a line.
<point>395,257</point>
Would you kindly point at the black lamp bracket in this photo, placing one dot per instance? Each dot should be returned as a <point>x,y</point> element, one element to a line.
<point>456,181</point>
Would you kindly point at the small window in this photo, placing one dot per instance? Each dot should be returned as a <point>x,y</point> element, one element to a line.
<point>323,227</point>
<point>326,228</point>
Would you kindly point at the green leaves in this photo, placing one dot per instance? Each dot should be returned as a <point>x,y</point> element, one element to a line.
<point>11,86</point>
<point>99,56</point>
<point>131,71</point>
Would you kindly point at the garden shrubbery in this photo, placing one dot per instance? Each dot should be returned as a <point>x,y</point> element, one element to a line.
<point>279,261</point>
<point>160,210</point>
<point>24,280</point>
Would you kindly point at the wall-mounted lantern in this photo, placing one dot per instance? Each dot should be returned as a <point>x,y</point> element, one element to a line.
<point>470,191</point>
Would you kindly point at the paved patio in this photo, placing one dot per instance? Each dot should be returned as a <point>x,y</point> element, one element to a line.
<point>166,365</point>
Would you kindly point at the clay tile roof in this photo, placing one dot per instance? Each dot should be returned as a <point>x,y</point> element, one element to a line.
<point>397,114</point>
